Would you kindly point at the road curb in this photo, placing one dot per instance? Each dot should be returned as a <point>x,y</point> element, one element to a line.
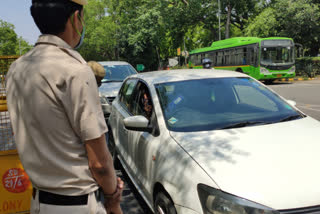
<point>295,79</point>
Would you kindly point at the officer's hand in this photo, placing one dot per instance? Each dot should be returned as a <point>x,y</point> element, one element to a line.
<point>112,203</point>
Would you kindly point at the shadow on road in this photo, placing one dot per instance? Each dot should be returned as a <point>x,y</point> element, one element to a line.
<point>132,202</point>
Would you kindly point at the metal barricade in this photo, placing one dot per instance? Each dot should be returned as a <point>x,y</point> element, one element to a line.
<point>15,187</point>
<point>6,134</point>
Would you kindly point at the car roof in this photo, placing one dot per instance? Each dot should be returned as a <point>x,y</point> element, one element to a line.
<point>156,77</point>
<point>103,63</point>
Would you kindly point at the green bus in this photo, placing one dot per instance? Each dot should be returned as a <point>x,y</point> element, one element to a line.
<point>262,58</point>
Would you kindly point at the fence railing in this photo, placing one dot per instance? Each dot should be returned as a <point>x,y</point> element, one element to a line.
<point>6,134</point>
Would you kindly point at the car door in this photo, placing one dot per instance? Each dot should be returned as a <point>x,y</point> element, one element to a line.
<point>143,145</point>
<point>122,109</point>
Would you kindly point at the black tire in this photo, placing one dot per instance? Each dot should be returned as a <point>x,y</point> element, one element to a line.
<point>269,81</point>
<point>163,204</point>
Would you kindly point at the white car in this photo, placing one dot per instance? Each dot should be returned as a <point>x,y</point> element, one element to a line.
<point>116,72</point>
<point>217,142</point>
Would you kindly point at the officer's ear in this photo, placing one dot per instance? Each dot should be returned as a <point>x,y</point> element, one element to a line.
<point>77,19</point>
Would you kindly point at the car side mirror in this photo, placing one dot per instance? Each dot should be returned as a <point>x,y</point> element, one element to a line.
<point>291,102</point>
<point>137,123</point>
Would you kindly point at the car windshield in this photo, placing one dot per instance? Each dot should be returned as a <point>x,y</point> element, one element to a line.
<point>117,72</point>
<point>277,55</point>
<point>220,103</point>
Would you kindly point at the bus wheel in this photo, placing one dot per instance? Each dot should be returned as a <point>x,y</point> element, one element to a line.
<point>239,70</point>
<point>269,81</point>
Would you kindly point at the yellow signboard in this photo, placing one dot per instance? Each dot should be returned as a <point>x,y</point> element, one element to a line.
<point>15,187</point>
<point>179,51</point>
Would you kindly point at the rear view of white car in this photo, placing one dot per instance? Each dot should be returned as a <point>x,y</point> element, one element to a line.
<point>215,142</point>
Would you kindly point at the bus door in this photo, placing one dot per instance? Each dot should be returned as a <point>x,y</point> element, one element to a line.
<point>15,187</point>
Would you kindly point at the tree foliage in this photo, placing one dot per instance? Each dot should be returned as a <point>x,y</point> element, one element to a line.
<point>100,41</point>
<point>10,44</point>
<point>150,31</point>
<point>297,19</point>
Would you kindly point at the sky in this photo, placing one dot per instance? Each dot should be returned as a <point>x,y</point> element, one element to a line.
<point>17,12</point>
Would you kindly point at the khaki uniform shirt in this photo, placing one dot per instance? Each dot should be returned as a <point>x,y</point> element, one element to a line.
<point>54,108</point>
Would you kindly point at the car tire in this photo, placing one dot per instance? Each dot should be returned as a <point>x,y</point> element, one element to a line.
<point>163,204</point>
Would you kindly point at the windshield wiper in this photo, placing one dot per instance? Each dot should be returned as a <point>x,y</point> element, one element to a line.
<point>292,117</point>
<point>105,81</point>
<point>244,124</point>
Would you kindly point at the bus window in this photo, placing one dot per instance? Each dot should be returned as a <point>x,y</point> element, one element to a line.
<point>220,58</point>
<point>244,59</point>
<point>239,56</point>
<point>212,57</point>
<point>251,55</point>
<point>195,59</point>
<point>233,57</point>
<point>198,59</point>
<point>227,57</point>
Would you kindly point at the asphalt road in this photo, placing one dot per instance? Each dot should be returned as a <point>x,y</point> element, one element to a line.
<point>305,93</point>
<point>132,202</point>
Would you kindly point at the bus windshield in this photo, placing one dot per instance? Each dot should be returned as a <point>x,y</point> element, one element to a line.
<point>281,53</point>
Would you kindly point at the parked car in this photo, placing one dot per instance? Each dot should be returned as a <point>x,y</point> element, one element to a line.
<point>215,142</point>
<point>116,72</point>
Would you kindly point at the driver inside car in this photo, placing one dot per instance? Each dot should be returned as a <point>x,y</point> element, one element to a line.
<point>145,103</point>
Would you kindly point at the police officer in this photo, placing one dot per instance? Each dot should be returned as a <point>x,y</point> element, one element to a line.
<point>57,118</point>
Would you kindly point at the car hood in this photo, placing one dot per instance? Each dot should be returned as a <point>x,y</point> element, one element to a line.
<point>276,165</point>
<point>110,89</point>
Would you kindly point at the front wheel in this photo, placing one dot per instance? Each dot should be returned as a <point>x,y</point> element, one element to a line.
<point>163,205</point>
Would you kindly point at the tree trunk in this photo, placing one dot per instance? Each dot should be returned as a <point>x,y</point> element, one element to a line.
<point>229,8</point>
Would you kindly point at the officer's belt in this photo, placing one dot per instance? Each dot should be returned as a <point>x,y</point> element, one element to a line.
<point>65,200</point>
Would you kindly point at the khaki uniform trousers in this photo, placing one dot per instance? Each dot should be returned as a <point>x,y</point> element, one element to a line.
<point>92,207</point>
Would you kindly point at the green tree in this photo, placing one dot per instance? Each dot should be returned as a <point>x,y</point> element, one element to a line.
<point>22,46</point>
<point>297,19</point>
<point>264,25</point>
<point>9,41</point>
<point>100,38</point>
<point>139,30</point>
<point>300,19</point>
<point>189,23</point>
<point>237,13</point>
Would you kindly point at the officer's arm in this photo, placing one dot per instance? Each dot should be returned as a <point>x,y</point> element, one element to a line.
<point>101,167</point>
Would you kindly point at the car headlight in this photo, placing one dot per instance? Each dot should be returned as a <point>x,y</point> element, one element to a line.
<point>292,70</point>
<point>214,201</point>
<point>264,70</point>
